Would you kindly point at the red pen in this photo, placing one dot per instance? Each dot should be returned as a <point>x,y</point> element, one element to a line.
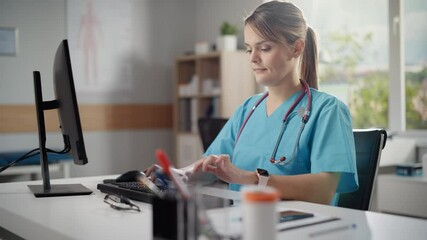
<point>163,159</point>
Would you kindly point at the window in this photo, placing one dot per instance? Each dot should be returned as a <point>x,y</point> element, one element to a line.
<point>415,35</point>
<point>360,59</point>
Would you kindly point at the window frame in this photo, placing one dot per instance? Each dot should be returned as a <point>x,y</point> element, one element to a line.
<point>396,114</point>
<point>397,81</point>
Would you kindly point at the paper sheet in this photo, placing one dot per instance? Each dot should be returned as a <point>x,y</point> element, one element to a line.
<point>228,223</point>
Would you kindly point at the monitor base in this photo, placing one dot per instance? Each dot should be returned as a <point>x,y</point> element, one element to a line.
<point>58,190</point>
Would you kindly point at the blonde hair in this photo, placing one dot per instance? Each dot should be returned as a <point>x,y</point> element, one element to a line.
<point>284,22</point>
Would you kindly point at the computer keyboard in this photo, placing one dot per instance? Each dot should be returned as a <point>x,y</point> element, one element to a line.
<point>133,190</point>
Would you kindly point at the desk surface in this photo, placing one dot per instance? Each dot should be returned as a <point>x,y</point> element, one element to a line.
<point>88,217</point>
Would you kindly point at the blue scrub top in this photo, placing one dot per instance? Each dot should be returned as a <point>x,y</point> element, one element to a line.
<point>326,143</point>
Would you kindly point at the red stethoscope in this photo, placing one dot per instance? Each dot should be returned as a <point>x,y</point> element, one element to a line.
<point>305,116</point>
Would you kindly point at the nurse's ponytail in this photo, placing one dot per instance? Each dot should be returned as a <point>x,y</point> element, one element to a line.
<point>309,60</point>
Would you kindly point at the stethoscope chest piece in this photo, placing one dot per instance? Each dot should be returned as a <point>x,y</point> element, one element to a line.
<point>274,161</point>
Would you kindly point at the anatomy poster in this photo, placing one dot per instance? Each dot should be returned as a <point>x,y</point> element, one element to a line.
<point>99,38</point>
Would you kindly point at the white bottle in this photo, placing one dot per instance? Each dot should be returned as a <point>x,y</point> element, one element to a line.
<point>260,217</point>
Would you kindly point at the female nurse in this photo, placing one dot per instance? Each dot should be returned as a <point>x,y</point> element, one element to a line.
<point>314,160</point>
<point>294,138</point>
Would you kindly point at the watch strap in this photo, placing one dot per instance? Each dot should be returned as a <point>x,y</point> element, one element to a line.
<point>262,180</point>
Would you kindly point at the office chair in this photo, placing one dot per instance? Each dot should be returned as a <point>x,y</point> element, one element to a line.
<point>209,129</point>
<point>369,144</point>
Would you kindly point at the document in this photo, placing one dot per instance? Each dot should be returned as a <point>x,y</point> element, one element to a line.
<point>294,222</point>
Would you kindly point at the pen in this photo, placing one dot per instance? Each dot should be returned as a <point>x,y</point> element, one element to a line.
<point>166,165</point>
<point>332,230</point>
<point>160,175</point>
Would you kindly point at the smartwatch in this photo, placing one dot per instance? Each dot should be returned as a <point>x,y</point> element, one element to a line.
<point>263,176</point>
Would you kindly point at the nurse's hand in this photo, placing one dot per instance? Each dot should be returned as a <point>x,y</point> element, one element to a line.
<point>221,166</point>
<point>184,173</point>
<point>150,171</point>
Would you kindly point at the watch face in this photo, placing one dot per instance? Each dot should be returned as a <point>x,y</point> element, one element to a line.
<point>262,172</point>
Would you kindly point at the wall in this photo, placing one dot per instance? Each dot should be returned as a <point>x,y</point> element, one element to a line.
<point>162,30</point>
<point>42,25</point>
<point>208,21</point>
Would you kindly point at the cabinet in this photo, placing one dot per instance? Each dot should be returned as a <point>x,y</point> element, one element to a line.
<point>404,195</point>
<point>208,85</point>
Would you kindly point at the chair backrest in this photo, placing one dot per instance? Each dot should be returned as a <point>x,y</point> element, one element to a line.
<point>369,144</point>
<point>209,129</point>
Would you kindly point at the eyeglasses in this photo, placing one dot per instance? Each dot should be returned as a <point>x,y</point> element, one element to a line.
<point>120,203</point>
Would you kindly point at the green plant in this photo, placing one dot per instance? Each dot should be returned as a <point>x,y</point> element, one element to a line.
<point>228,29</point>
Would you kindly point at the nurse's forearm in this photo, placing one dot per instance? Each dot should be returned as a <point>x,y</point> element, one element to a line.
<point>317,188</point>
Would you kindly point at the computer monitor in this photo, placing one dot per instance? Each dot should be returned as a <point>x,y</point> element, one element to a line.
<point>68,111</point>
<point>69,118</point>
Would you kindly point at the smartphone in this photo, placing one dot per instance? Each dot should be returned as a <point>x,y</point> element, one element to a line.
<point>289,215</point>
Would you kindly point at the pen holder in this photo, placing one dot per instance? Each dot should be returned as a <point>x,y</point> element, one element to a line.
<point>174,219</point>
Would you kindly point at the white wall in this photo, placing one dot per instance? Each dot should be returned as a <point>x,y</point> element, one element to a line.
<point>210,14</point>
<point>42,25</point>
<point>162,30</point>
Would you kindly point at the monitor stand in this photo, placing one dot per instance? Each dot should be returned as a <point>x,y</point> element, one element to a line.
<point>58,190</point>
<point>47,190</point>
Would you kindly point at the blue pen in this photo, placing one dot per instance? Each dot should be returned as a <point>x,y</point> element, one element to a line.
<point>160,175</point>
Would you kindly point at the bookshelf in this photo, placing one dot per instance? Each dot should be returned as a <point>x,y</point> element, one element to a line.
<point>206,85</point>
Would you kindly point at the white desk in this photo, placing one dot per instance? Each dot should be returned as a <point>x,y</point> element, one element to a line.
<point>88,217</point>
